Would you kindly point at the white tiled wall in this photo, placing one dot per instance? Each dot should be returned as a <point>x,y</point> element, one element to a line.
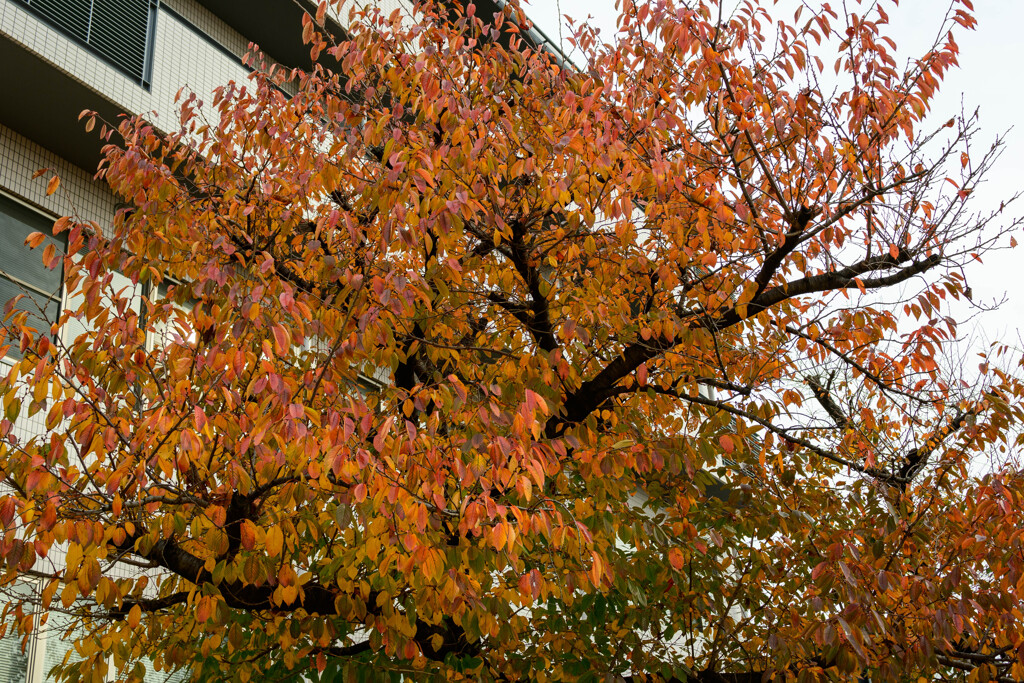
<point>182,57</point>
<point>79,195</point>
<point>386,7</point>
<point>210,24</point>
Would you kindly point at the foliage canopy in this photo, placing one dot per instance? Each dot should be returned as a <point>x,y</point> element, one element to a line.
<point>449,358</point>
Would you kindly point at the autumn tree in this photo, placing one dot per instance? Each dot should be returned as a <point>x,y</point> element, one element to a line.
<point>465,361</point>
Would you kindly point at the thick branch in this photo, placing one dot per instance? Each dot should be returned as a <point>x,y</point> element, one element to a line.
<point>916,458</point>
<point>539,322</point>
<point>594,392</point>
<point>834,280</point>
<point>314,598</point>
<point>826,401</point>
<point>773,261</point>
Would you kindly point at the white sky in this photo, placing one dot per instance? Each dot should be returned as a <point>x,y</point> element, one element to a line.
<point>990,78</point>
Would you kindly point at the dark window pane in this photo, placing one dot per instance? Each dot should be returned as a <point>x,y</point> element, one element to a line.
<point>18,261</point>
<point>42,311</point>
<point>22,270</point>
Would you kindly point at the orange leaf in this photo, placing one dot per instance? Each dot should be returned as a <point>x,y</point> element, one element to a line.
<point>282,340</point>
<point>675,557</point>
<point>359,492</point>
<point>34,240</point>
<point>247,531</point>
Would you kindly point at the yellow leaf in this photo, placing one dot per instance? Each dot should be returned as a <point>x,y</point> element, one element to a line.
<point>134,616</point>
<point>69,595</point>
<point>274,541</point>
<point>49,591</point>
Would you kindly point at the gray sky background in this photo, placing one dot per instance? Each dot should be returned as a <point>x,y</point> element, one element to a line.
<point>989,79</point>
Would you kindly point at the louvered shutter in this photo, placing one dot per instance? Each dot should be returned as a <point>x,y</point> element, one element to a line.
<point>117,30</point>
<point>120,32</point>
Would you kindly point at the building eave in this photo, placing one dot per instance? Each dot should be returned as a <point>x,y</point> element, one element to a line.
<point>275,26</point>
<point>57,100</point>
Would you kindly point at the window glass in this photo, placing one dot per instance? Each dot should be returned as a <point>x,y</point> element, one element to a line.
<point>54,645</point>
<point>176,329</point>
<point>21,268</point>
<point>13,660</point>
<point>71,15</point>
<point>18,261</point>
<point>120,32</point>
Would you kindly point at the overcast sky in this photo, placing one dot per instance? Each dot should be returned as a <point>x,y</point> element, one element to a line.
<point>989,78</point>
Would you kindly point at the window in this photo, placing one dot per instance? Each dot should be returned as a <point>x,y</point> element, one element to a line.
<point>13,659</point>
<point>119,31</point>
<point>15,651</point>
<point>176,329</point>
<point>22,270</point>
<point>52,645</point>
